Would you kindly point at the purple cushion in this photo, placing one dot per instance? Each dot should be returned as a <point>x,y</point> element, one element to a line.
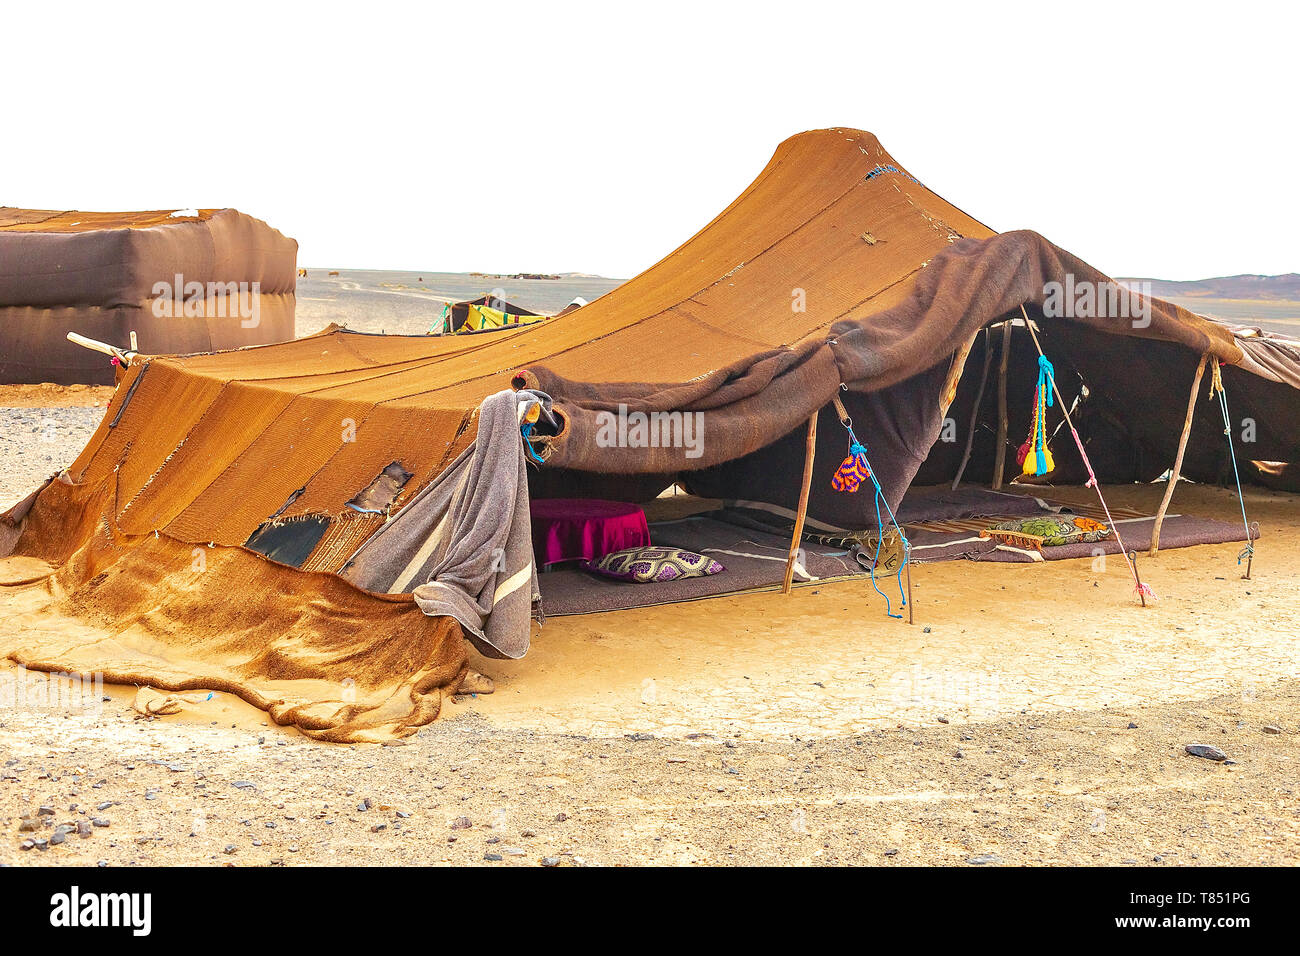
<point>648,565</point>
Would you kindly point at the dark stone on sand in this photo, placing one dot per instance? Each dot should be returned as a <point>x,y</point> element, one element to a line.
<point>1207,751</point>
<point>461,823</point>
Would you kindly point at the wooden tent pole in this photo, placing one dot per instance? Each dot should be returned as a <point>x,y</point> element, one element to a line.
<point>975,412</point>
<point>1000,456</point>
<point>1178,459</point>
<point>803,503</point>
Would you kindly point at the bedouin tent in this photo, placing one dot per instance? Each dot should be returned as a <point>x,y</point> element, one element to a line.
<point>351,459</point>
<point>487,313</point>
<point>194,280</point>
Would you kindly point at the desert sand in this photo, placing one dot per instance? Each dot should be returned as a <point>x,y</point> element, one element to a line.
<point>1031,714</point>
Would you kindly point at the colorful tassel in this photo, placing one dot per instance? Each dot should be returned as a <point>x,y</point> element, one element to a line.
<point>853,471</point>
<point>1034,455</point>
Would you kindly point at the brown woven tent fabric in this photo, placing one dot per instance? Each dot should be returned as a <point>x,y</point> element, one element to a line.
<point>836,267</point>
<point>95,273</point>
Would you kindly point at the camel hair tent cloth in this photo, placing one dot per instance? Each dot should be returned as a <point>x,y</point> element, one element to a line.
<point>835,272</point>
<point>190,280</point>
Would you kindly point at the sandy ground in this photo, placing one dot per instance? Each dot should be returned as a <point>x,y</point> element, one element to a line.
<point>750,729</point>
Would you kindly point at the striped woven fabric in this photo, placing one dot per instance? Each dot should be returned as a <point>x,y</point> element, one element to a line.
<point>954,525</point>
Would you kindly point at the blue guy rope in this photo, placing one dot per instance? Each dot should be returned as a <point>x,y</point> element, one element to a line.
<point>858,448</point>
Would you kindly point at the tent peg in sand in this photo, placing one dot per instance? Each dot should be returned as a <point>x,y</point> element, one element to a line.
<point>803,503</point>
<point>1178,458</point>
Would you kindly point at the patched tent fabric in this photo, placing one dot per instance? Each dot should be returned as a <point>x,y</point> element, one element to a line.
<point>835,273</point>
<point>229,282</point>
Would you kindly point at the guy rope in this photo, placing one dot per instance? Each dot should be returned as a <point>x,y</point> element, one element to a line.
<point>1216,385</point>
<point>1046,370</point>
<point>848,477</point>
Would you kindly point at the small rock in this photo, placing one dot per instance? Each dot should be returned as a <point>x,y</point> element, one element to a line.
<point>1208,751</point>
<point>242,785</point>
<point>57,837</point>
<point>45,810</point>
<point>28,825</point>
<point>461,823</point>
<point>98,821</point>
<point>492,857</point>
<point>1132,726</point>
<point>83,829</point>
<point>1272,729</point>
<point>230,848</point>
<point>513,851</point>
<point>550,861</point>
<point>942,719</point>
<point>561,817</point>
<point>528,833</point>
<point>891,853</point>
<point>984,859</point>
<point>365,805</point>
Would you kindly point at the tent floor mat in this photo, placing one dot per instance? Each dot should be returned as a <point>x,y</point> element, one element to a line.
<point>754,561</point>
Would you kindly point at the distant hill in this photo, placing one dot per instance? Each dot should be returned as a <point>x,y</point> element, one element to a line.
<point>1283,287</point>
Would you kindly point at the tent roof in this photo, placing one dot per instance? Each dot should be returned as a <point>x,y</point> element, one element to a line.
<point>13,219</point>
<point>893,279</point>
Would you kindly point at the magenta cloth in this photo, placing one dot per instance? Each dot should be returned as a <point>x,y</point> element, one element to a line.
<point>584,529</point>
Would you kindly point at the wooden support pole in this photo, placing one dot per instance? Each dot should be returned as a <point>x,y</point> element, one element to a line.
<point>975,412</point>
<point>1000,455</point>
<point>809,449</point>
<point>909,592</point>
<point>1178,459</point>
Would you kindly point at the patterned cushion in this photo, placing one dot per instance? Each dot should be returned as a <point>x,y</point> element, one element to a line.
<point>1055,530</point>
<point>647,565</point>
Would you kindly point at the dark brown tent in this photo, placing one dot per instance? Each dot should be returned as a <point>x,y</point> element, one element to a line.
<point>184,280</point>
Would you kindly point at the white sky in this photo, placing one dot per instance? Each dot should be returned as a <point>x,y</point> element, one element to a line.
<point>1150,140</point>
